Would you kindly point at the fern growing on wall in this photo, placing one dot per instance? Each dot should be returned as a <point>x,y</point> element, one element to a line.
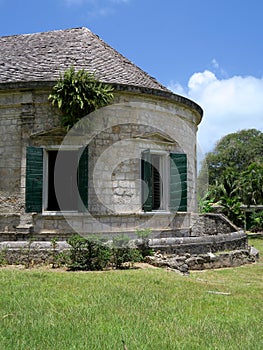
<point>78,93</point>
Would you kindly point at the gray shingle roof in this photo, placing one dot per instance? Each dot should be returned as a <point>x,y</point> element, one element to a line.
<point>42,56</point>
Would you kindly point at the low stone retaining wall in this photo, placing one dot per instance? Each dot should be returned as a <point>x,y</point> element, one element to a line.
<point>197,240</point>
<point>186,262</point>
<point>200,244</point>
<point>210,224</point>
<point>8,224</point>
<point>31,253</point>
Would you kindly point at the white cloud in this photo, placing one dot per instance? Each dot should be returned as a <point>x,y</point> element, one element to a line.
<point>177,88</point>
<point>217,67</point>
<point>97,8</point>
<point>200,81</point>
<point>229,105</point>
<point>215,63</point>
<point>103,11</point>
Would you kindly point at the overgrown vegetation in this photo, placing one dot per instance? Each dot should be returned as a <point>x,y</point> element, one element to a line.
<point>148,309</point>
<point>144,242</point>
<point>123,255</point>
<point>78,93</point>
<point>88,254</point>
<point>92,253</point>
<point>257,219</point>
<point>235,174</point>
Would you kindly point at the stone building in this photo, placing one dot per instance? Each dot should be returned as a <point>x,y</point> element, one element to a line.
<point>133,166</point>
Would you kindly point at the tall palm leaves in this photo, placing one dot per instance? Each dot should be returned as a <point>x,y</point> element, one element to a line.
<point>78,93</point>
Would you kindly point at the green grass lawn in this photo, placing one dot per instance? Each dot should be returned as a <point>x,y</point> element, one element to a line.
<point>148,309</point>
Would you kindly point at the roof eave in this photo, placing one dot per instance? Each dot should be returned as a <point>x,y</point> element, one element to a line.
<point>169,95</point>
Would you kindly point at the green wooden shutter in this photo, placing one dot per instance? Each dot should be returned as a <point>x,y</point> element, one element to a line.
<point>83,180</point>
<point>147,191</point>
<point>178,182</point>
<point>34,179</point>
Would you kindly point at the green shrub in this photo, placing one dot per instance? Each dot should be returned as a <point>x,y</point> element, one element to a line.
<point>123,255</point>
<point>144,244</point>
<point>257,221</point>
<point>88,254</point>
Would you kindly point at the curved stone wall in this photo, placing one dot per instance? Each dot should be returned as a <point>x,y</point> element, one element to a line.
<point>139,119</point>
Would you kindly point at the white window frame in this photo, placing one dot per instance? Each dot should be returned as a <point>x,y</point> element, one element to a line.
<point>165,176</point>
<point>45,178</point>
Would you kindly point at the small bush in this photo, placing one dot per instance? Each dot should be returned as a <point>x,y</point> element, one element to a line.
<point>144,244</point>
<point>123,255</point>
<point>87,254</point>
<point>257,222</point>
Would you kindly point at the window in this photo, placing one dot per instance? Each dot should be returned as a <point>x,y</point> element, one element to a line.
<point>56,188</point>
<point>154,191</point>
<point>157,187</point>
<point>62,185</point>
<point>164,183</point>
<point>178,182</point>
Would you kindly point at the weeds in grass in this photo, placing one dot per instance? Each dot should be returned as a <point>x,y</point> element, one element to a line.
<point>144,244</point>
<point>28,251</point>
<point>3,258</point>
<point>54,253</point>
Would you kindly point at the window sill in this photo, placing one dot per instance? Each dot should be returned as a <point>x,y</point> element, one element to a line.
<point>156,212</point>
<point>63,213</point>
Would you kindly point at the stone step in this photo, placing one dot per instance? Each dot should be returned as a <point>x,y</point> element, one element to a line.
<point>24,229</point>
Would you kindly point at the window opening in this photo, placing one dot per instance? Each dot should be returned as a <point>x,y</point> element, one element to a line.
<point>62,186</point>
<point>157,182</point>
<point>154,184</point>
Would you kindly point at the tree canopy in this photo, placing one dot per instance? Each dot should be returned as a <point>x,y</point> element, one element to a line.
<point>235,152</point>
<point>234,171</point>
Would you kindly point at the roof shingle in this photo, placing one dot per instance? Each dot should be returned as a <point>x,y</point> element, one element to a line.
<point>42,56</point>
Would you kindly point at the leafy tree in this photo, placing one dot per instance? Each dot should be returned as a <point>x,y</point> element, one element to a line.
<point>235,152</point>
<point>257,218</point>
<point>235,172</point>
<point>250,184</point>
<point>78,93</point>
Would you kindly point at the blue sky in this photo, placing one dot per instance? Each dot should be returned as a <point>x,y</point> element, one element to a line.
<point>208,50</point>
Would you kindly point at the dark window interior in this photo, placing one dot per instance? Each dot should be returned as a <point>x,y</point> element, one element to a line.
<point>62,181</point>
<point>157,184</point>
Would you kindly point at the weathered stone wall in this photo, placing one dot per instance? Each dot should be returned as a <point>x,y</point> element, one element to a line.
<point>201,245</point>
<point>22,113</point>
<point>185,262</point>
<point>63,226</point>
<point>32,253</point>
<point>10,151</point>
<point>115,130</point>
<point>8,224</point>
<point>211,224</point>
<point>114,183</point>
<point>116,136</point>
